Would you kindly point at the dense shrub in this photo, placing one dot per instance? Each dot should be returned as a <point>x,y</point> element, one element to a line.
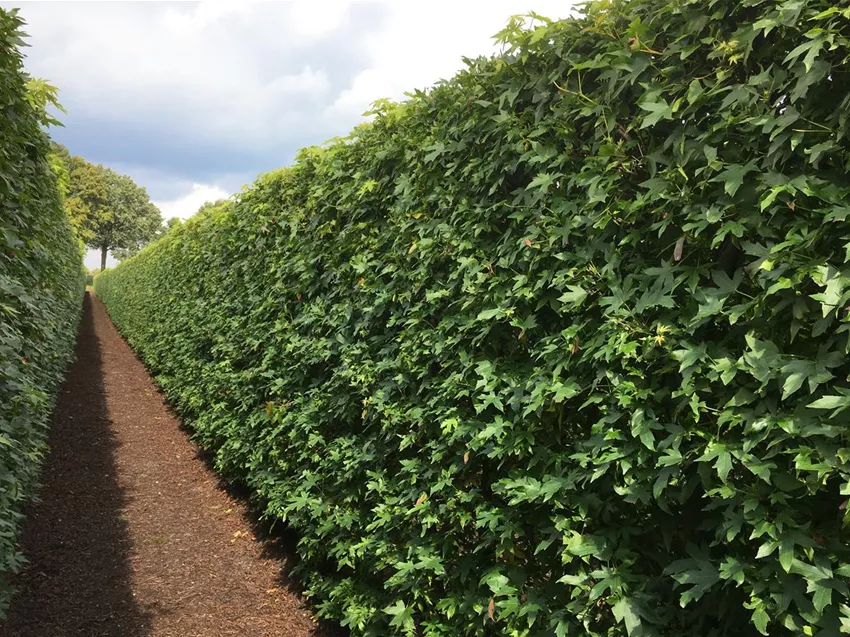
<point>41,285</point>
<point>555,348</point>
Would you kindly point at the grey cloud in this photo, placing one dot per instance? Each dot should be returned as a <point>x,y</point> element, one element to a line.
<point>246,115</point>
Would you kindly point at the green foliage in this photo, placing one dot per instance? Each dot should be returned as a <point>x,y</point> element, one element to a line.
<point>558,347</point>
<point>109,211</point>
<point>42,96</point>
<point>86,197</point>
<point>171,223</point>
<point>59,162</point>
<point>41,284</point>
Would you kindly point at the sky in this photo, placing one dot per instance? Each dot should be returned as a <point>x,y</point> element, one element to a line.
<point>193,100</point>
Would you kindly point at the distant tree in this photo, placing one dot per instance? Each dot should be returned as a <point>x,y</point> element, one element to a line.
<point>87,197</point>
<point>165,228</point>
<point>135,221</point>
<point>210,205</point>
<point>172,223</point>
<point>109,210</point>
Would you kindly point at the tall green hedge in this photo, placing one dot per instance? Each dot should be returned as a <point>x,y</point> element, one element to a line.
<point>558,347</point>
<point>41,286</point>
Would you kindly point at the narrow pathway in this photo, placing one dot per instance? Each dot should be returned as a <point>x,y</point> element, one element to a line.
<point>133,536</point>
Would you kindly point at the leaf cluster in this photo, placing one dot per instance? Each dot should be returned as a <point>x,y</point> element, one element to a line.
<point>558,347</point>
<point>107,209</point>
<point>41,286</point>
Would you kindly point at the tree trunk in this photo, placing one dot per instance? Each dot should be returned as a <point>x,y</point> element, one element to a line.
<point>103,252</point>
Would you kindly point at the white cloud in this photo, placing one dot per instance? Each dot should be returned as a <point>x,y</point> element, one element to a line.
<point>187,24</point>
<point>187,205</point>
<point>366,87</point>
<point>233,73</point>
<point>425,42</point>
<point>311,20</point>
<point>255,74</point>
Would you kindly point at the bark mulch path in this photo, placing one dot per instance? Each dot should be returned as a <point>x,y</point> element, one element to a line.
<point>134,536</point>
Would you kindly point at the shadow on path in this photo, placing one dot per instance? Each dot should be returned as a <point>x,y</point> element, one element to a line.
<point>78,581</point>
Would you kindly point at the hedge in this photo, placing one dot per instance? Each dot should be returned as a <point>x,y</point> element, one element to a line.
<point>41,286</point>
<point>557,347</point>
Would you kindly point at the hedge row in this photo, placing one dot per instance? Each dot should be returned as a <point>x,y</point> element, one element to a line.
<point>41,287</point>
<point>558,347</point>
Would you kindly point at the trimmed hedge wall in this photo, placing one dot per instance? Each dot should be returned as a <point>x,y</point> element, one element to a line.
<point>558,347</point>
<point>41,288</point>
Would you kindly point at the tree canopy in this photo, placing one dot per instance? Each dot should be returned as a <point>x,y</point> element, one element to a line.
<point>109,210</point>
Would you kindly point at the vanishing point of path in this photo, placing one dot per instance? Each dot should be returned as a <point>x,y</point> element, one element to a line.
<point>133,536</point>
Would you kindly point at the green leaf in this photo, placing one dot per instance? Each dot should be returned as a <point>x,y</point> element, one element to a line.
<point>761,619</point>
<point>658,110</point>
<point>831,298</point>
<point>792,384</point>
<point>822,598</point>
<point>786,554</point>
<point>723,465</point>
<point>766,549</point>
<point>832,401</point>
<point>627,612</point>
<point>811,48</point>
<point>584,545</point>
<point>695,90</point>
<point>733,177</point>
<point>543,181</point>
<point>562,628</point>
<point>574,297</point>
<point>401,617</point>
<point>812,572</point>
<point>817,150</point>
<point>699,574</point>
<point>573,580</point>
<point>496,312</point>
<point>732,569</point>
<point>499,584</point>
